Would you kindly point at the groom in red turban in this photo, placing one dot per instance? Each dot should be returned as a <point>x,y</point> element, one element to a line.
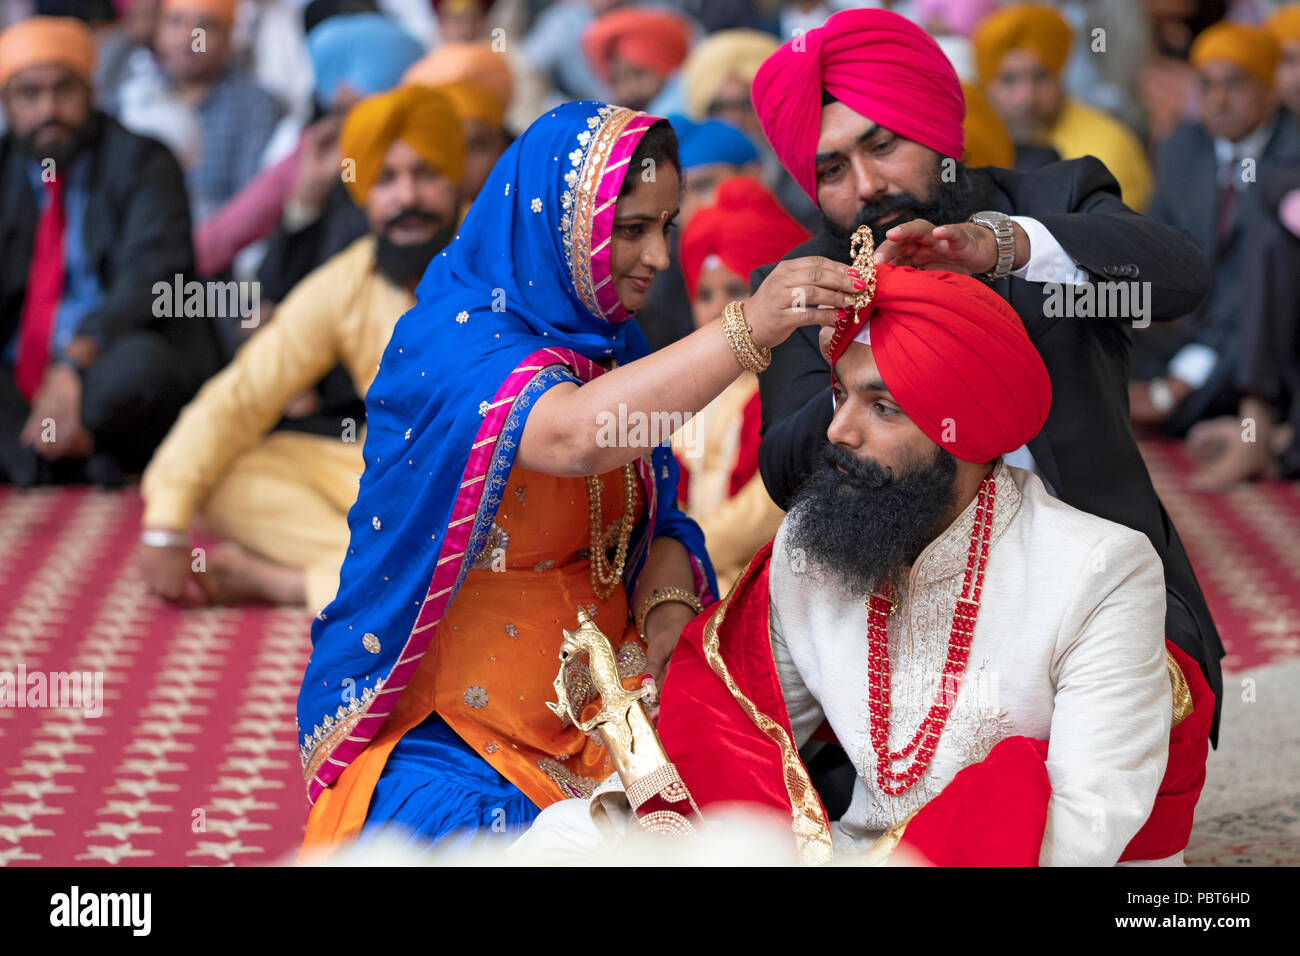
<point>866,115</point>
<point>992,660</point>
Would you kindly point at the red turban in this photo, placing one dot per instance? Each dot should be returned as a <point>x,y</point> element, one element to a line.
<point>745,227</point>
<point>653,40</point>
<point>956,358</point>
<point>875,62</point>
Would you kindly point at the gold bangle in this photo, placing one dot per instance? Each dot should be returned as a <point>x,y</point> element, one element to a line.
<point>741,339</point>
<point>663,596</point>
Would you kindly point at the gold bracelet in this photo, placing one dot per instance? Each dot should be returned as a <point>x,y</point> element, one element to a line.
<point>741,339</point>
<point>663,596</point>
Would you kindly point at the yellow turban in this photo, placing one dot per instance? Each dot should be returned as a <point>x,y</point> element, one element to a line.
<point>1252,48</point>
<point>223,11</point>
<point>1285,23</point>
<point>725,54</point>
<point>42,40</point>
<point>471,100</point>
<point>987,141</point>
<point>453,62</point>
<point>1040,30</point>
<point>421,117</point>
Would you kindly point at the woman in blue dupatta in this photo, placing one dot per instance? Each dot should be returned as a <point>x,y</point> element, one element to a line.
<point>513,474</point>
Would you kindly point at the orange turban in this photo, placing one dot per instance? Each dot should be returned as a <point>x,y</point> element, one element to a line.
<point>1285,23</point>
<point>453,62</point>
<point>651,39</point>
<point>1254,49</point>
<point>42,40</point>
<point>1040,30</point>
<point>956,358</point>
<point>745,227</point>
<point>223,11</point>
<point>421,117</point>
<point>987,141</point>
<point>723,55</point>
<point>471,100</point>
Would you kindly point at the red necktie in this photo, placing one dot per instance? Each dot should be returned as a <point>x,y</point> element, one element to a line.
<point>44,289</point>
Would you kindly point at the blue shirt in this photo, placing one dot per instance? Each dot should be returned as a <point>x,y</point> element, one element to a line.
<point>81,289</point>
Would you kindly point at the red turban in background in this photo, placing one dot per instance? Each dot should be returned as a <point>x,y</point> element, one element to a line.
<point>877,64</point>
<point>653,40</point>
<point>745,227</point>
<point>956,358</point>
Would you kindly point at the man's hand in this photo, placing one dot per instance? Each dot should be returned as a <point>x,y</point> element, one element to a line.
<point>958,247</point>
<point>168,573</point>
<point>805,291</point>
<point>58,398</point>
<point>318,167</point>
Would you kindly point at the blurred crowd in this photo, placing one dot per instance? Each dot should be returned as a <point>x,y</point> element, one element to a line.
<point>213,212</point>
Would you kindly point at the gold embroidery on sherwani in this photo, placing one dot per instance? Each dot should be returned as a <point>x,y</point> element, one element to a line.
<point>810,827</point>
<point>1182,693</point>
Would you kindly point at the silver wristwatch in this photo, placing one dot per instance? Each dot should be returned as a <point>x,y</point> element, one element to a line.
<point>999,223</point>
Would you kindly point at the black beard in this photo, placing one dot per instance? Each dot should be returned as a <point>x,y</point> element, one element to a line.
<point>404,265</point>
<point>861,526</point>
<point>948,202</point>
<point>79,138</point>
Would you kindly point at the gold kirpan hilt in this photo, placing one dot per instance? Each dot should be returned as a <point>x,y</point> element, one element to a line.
<point>621,723</point>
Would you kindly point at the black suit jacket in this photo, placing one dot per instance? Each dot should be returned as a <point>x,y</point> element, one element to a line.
<point>1186,196</point>
<point>1086,450</point>
<point>136,231</point>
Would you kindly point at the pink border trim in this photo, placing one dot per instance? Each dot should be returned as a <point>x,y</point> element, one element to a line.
<point>602,225</point>
<point>451,558</point>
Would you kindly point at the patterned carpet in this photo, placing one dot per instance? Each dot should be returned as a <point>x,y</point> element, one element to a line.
<point>194,760</point>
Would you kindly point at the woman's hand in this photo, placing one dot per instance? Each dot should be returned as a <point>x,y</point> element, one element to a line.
<point>806,291</point>
<point>663,628</point>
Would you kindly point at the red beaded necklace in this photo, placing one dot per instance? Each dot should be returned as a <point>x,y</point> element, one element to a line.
<point>879,608</point>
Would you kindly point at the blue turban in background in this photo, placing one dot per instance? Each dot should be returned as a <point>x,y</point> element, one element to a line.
<point>711,141</point>
<point>367,51</point>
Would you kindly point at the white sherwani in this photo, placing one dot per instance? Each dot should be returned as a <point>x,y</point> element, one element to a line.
<point>1068,646</point>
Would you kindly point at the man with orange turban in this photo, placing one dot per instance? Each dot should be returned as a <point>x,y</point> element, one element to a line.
<point>1208,184</point>
<point>743,228</point>
<point>866,113</point>
<point>912,594</point>
<point>634,51</point>
<point>230,117</point>
<point>479,84</point>
<point>91,373</point>
<point>1020,52</point>
<point>279,499</point>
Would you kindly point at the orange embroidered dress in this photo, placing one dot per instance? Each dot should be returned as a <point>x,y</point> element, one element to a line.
<point>497,653</point>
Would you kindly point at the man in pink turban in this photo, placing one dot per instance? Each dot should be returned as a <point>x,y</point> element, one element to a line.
<point>866,114</point>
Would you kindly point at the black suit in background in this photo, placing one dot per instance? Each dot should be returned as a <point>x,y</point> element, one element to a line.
<point>1188,195</point>
<point>1086,450</point>
<point>136,232</point>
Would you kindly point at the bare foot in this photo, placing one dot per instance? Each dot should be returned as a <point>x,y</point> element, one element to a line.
<point>1211,439</point>
<point>239,576</point>
<point>1241,461</point>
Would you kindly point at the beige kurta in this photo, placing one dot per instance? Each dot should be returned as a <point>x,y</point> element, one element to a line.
<point>283,495</point>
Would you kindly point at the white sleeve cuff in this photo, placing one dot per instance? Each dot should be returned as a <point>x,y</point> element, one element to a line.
<point>1193,364</point>
<point>1047,261</point>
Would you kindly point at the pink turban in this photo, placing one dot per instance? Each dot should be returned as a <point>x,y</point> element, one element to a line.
<point>875,62</point>
<point>956,358</point>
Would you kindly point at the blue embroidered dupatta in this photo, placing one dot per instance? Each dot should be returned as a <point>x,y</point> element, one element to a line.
<point>520,301</point>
